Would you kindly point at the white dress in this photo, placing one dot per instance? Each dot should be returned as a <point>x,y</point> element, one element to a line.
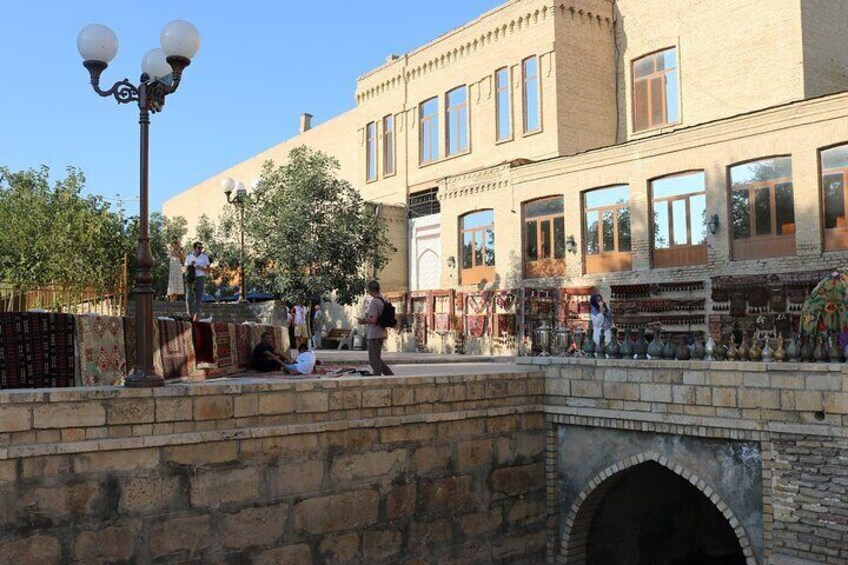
<point>175,276</point>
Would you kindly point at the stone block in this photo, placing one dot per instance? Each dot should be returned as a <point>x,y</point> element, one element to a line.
<point>724,396</point>
<point>435,533</point>
<point>557,386</point>
<point>213,407</point>
<point>449,495</point>
<point>755,380</point>
<point>836,402</point>
<point>299,478</point>
<point>184,535</point>
<point>683,394</point>
<point>277,447</point>
<point>385,465</point>
<point>524,511</point>
<point>499,424</point>
<point>378,545</point>
<point>473,453</point>
<point>220,487</point>
<point>114,543</point>
<point>201,453</point>
<point>426,394</point>
<point>462,428</point>
<point>749,397</point>
<point>451,393</point>
<point>276,403</point>
<point>407,432</point>
<point>311,402</point>
<point>35,549</point>
<point>400,501</point>
<point>794,381</point>
<point>131,411</point>
<point>346,399</point>
<point>246,405</point>
<point>68,415</point>
<point>148,494</point>
<point>655,392</point>
<point>430,459</point>
<point>478,523</point>
<point>299,554</point>
<point>376,398</point>
<point>123,460</point>
<point>356,439</point>
<point>621,390</point>
<point>8,471</point>
<point>586,389</point>
<point>44,467</point>
<point>518,479</point>
<point>512,546</point>
<point>704,395</point>
<point>253,526</point>
<point>320,515</point>
<point>823,381</point>
<point>15,418</point>
<point>340,548</point>
<point>530,445</point>
<point>809,400</point>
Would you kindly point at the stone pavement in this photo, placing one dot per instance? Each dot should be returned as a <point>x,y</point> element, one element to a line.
<point>335,357</point>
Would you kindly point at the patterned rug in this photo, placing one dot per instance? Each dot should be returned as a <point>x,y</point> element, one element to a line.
<point>224,336</point>
<point>243,348</point>
<point>176,350</point>
<point>204,343</point>
<point>36,350</point>
<point>102,352</point>
<point>476,326</point>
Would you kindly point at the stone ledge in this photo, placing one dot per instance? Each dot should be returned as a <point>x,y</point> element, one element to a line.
<point>747,366</point>
<point>189,438</point>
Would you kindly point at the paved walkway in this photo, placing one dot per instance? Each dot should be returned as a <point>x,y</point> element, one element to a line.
<point>334,357</point>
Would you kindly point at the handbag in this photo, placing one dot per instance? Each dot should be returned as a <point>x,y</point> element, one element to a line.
<point>191,274</point>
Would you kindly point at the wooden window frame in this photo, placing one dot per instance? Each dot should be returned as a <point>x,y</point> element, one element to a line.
<point>545,267</point>
<point>424,123</point>
<point>371,151</point>
<point>766,245</point>
<point>453,122</point>
<point>606,261</point>
<point>833,239</point>
<point>477,272</point>
<point>389,147</point>
<point>648,79</point>
<point>498,109</point>
<point>681,255</point>
<point>524,90</point>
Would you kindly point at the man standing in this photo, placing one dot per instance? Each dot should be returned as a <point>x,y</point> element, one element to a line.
<point>376,334</point>
<point>301,330</point>
<point>196,264</point>
<point>317,326</point>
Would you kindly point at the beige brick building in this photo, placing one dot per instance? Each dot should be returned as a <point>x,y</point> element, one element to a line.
<point>714,126</point>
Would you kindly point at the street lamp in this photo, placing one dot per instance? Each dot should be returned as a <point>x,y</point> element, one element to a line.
<point>162,70</point>
<point>227,185</point>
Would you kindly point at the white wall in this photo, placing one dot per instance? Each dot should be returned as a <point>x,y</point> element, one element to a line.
<point>425,252</point>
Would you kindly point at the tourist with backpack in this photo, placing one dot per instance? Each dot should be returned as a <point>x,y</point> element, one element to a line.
<point>379,317</point>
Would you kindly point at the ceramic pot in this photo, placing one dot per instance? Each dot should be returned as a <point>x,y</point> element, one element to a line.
<point>626,348</point>
<point>640,348</point>
<point>819,350</point>
<point>768,352</point>
<point>807,349</point>
<point>709,349</point>
<point>793,350</point>
<point>743,349</point>
<point>697,351</point>
<point>601,349</point>
<point>732,350</point>
<point>669,350</point>
<point>613,347</point>
<point>721,351</point>
<point>589,345</point>
<point>655,349</point>
<point>835,352</point>
<point>755,352</point>
<point>779,351</point>
<point>681,353</point>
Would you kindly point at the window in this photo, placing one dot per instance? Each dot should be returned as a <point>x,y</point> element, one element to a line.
<point>388,145</point>
<point>834,164</point>
<point>456,121</point>
<point>503,106</point>
<point>679,220</point>
<point>762,211</point>
<point>429,118</point>
<point>477,239</point>
<point>655,90</point>
<point>530,72</point>
<point>544,238</point>
<point>606,213</point>
<point>371,151</point>
<point>424,203</point>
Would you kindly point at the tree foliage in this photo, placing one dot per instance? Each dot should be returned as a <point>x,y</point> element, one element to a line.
<point>54,234</point>
<point>161,231</point>
<point>309,232</point>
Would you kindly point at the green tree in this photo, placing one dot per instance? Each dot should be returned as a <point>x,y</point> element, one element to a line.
<point>309,232</point>
<point>221,245</point>
<point>54,234</point>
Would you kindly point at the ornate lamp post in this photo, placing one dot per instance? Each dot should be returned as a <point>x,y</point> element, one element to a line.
<point>227,185</point>
<point>162,70</point>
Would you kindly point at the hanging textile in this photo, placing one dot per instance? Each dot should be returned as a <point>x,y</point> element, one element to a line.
<point>102,351</point>
<point>36,350</point>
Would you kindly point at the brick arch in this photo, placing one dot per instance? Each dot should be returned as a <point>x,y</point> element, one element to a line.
<point>575,536</point>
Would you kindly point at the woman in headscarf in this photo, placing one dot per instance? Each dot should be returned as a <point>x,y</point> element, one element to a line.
<point>601,317</point>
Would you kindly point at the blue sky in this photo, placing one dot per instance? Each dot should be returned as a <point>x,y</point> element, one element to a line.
<point>261,64</point>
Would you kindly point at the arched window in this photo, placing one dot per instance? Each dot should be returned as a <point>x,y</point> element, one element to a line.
<point>762,210</point>
<point>606,213</point>
<point>544,238</point>
<point>477,247</point>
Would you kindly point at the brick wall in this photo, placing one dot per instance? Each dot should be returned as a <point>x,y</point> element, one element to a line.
<point>409,470</point>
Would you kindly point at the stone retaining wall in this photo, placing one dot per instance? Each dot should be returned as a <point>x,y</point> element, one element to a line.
<point>382,470</point>
<point>795,413</point>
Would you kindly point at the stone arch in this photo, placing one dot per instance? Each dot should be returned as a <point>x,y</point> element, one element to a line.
<point>575,535</point>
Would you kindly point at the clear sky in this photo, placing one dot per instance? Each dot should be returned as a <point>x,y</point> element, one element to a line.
<point>261,64</point>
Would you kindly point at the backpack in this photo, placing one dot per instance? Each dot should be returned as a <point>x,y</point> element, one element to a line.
<point>191,274</point>
<point>387,316</point>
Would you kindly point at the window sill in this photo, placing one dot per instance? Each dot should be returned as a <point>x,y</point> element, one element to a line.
<point>443,159</point>
<point>372,181</point>
<point>665,128</point>
<point>502,141</point>
<point>532,133</point>
<point>390,175</point>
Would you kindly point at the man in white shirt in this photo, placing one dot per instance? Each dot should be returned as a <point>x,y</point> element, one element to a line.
<point>305,362</point>
<point>198,262</point>
<point>301,330</point>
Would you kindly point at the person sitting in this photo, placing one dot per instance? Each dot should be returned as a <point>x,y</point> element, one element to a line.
<point>265,357</point>
<point>305,362</point>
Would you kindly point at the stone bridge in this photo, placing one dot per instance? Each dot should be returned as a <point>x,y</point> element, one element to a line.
<point>561,461</point>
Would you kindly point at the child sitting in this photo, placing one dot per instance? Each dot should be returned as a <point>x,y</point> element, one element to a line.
<point>305,362</point>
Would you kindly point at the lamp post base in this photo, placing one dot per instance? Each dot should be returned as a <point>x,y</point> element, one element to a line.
<point>139,379</point>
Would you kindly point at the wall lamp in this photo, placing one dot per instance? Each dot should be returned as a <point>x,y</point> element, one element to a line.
<point>713,224</point>
<point>451,262</point>
<point>570,244</point>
